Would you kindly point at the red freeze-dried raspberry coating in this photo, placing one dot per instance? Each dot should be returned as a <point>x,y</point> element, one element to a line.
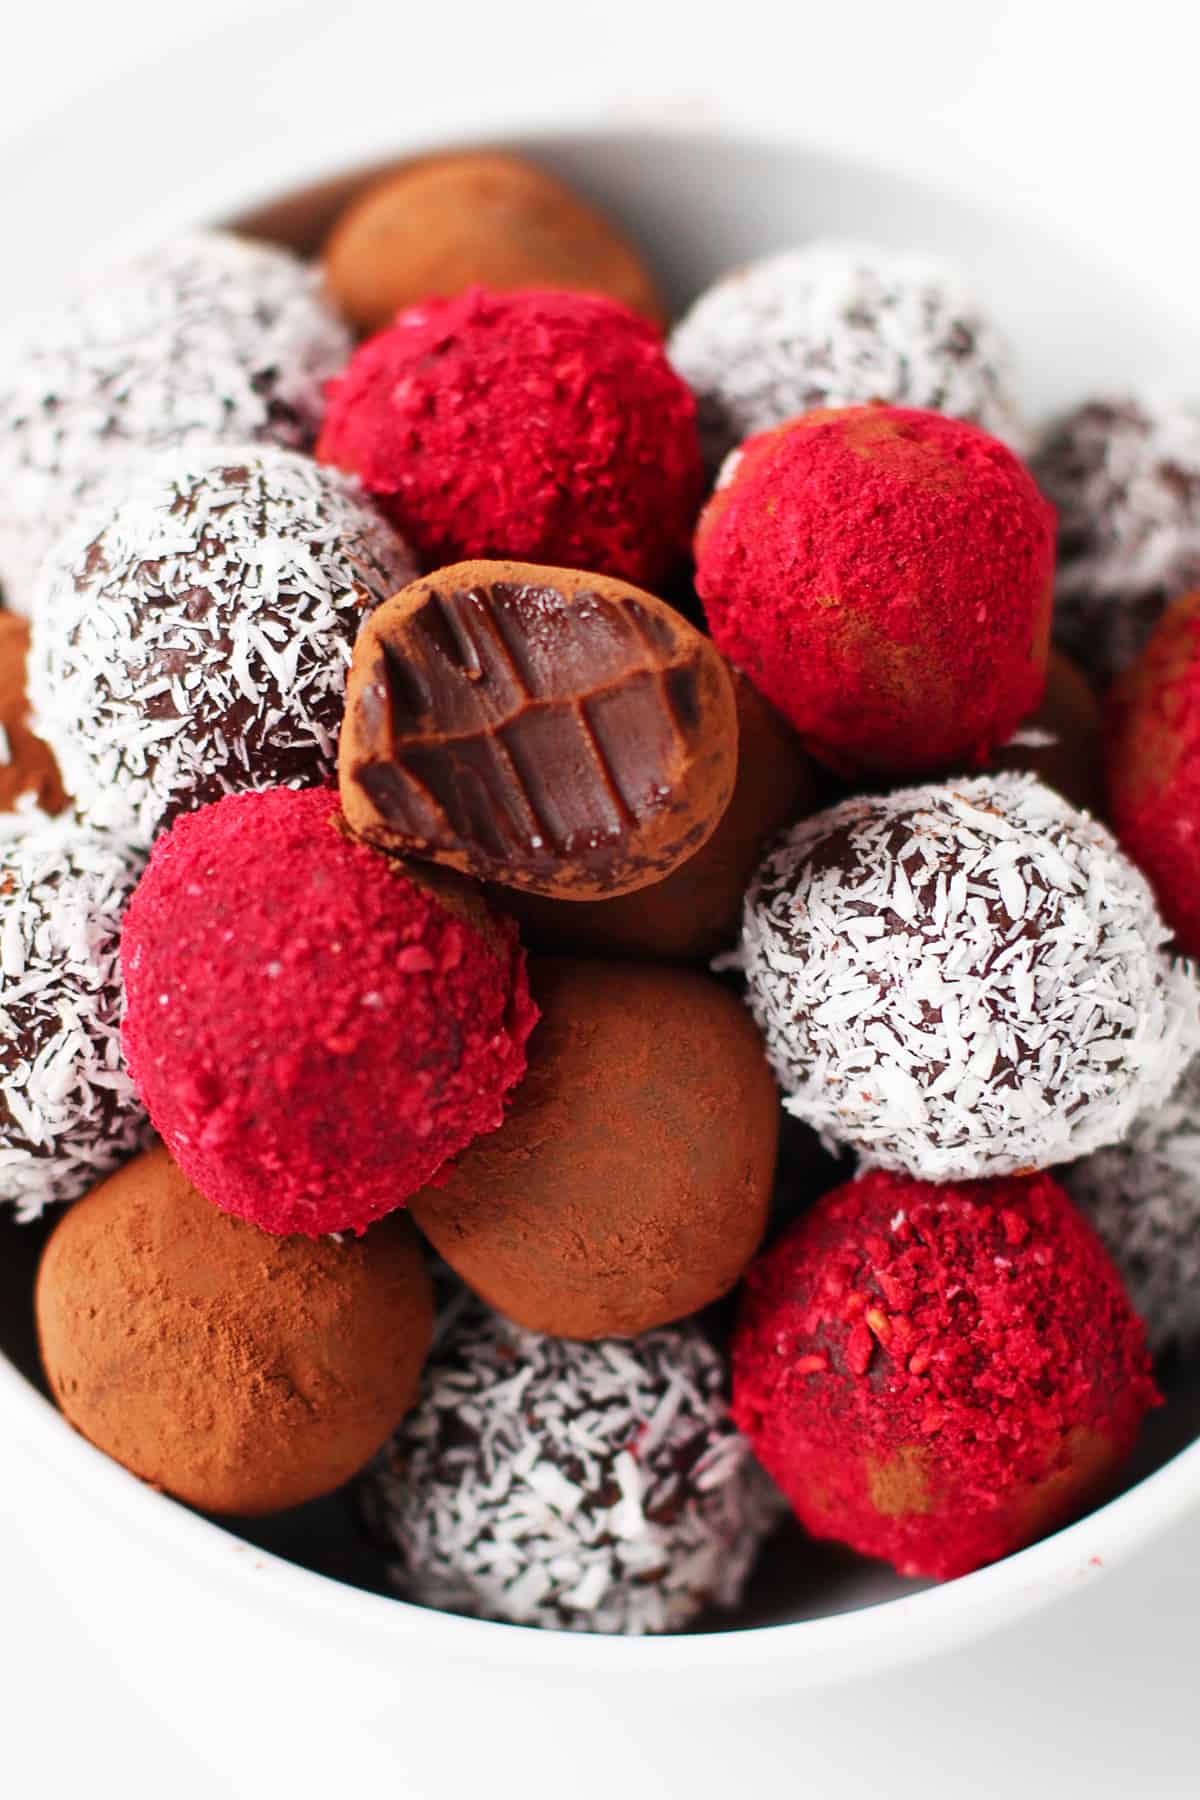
<point>313,1032</point>
<point>884,576</point>
<point>937,1375</point>
<point>538,425</point>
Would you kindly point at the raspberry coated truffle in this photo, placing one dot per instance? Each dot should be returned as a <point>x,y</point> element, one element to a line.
<point>240,1372</point>
<point>204,338</point>
<point>835,324</point>
<point>938,1375</point>
<point>543,426</point>
<point>964,980</point>
<point>630,1183</point>
<point>884,577</point>
<point>68,1110</point>
<point>313,1028</point>
<point>580,1487</point>
<point>192,632</point>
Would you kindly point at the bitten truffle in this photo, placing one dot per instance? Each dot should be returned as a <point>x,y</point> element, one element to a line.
<point>579,1487</point>
<point>192,633</point>
<point>539,425</point>
<point>1062,743</point>
<point>240,1372</point>
<point>1154,766</point>
<point>314,1030</point>
<point>939,1375</point>
<point>27,765</point>
<point>964,980</point>
<point>884,577</point>
<point>206,338</point>
<point>836,324</point>
<point>444,223</point>
<point>630,1182</point>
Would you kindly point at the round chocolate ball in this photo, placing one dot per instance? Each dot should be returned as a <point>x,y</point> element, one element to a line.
<point>964,980</point>
<point>630,1182</point>
<point>580,1487</point>
<point>834,324</point>
<point>204,338</point>
<point>1062,743</point>
<point>27,765</point>
<point>240,1372</point>
<point>68,1110</point>
<point>192,633</point>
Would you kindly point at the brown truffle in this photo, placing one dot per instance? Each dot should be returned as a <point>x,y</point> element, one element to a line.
<point>697,910</point>
<point>444,223</point>
<point>27,766</point>
<point>1072,763</point>
<point>544,728</point>
<point>630,1183</point>
<point>240,1372</point>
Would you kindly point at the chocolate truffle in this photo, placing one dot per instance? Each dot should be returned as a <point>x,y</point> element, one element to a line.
<point>192,633</point>
<point>836,324</point>
<point>1063,741</point>
<point>964,980</point>
<point>697,910</point>
<point>314,1029</point>
<point>444,223</point>
<point>538,425</point>
<point>1124,474</point>
<point>68,1111</point>
<point>580,1487</point>
<point>630,1182</point>
<point>545,728</point>
<point>240,1372</point>
<point>204,338</point>
<point>938,1375</point>
<point>1143,1197</point>
<point>27,765</point>
<point>1154,766</point>
<point>884,577</point>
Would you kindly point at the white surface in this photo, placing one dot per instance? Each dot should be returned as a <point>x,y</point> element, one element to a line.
<point>1068,118</point>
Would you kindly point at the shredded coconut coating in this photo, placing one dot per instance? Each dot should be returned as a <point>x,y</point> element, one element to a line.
<point>964,980</point>
<point>580,1486</point>
<point>191,638</point>
<point>1143,1197</point>
<point>206,337</point>
<point>1124,473</point>
<point>68,1111</point>
<point>836,324</point>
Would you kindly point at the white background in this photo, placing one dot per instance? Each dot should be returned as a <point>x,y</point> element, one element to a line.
<point>1085,114</point>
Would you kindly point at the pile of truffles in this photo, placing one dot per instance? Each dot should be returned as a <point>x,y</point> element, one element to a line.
<point>500,792</point>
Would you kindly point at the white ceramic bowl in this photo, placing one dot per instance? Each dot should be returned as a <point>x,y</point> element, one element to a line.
<point>698,202</point>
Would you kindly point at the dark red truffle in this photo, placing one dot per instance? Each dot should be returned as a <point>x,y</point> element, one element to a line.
<point>314,1029</point>
<point>538,425</point>
<point>884,576</point>
<point>938,1375</point>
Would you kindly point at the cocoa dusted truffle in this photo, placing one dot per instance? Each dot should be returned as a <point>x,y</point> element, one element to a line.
<point>964,980</point>
<point>1062,743</point>
<point>543,728</point>
<point>192,633</point>
<point>579,1487</point>
<point>240,1372</point>
<point>444,223</point>
<point>836,324</point>
<point>204,338</point>
<point>27,765</point>
<point>629,1184</point>
<point>938,1375</point>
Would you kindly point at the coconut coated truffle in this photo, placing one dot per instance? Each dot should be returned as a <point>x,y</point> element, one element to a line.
<point>192,633</point>
<point>582,1487</point>
<point>834,324</point>
<point>205,338</point>
<point>68,1110</point>
<point>965,980</point>
<point>542,426</point>
<point>884,577</point>
<point>938,1375</point>
<point>314,1029</point>
<point>240,1372</point>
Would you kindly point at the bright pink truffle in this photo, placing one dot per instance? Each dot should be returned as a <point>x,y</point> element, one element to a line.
<point>543,426</point>
<point>313,1030</point>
